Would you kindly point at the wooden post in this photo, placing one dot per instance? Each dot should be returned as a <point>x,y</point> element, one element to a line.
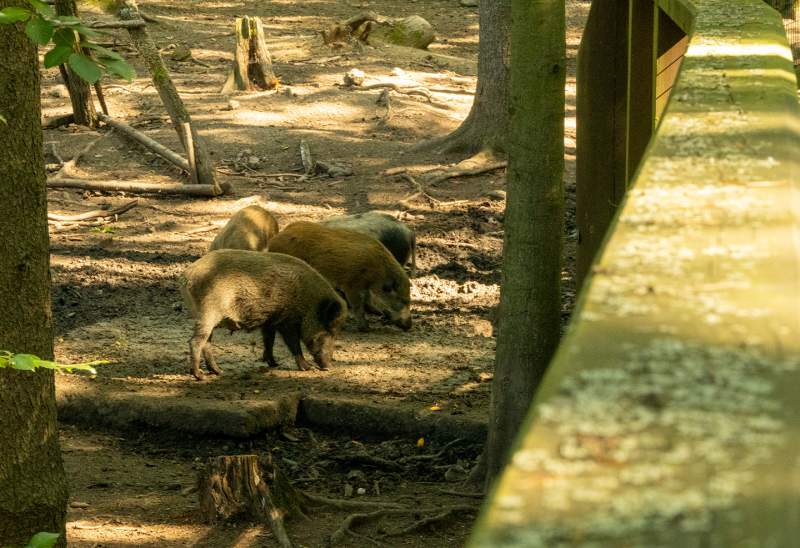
<point>601,128</point>
<point>252,63</point>
<point>80,94</point>
<point>141,40</point>
<point>641,82</point>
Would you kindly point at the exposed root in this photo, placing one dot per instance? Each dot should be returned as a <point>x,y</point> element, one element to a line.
<point>359,519</point>
<point>431,456</point>
<point>68,167</point>
<point>420,192</point>
<point>467,172</point>
<point>426,521</point>
<point>461,494</point>
<point>345,504</point>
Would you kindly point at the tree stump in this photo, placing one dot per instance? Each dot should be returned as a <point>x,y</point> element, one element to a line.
<point>241,486</point>
<point>252,64</point>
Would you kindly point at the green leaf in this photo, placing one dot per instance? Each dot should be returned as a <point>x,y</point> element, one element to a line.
<point>43,540</point>
<point>24,362</point>
<point>119,67</point>
<point>13,14</point>
<point>85,67</point>
<point>103,52</point>
<point>39,30</point>
<point>57,56</point>
<point>64,37</point>
<point>42,8</point>
<point>3,119</point>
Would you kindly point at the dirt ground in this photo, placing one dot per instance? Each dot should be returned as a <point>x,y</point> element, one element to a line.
<point>114,286</point>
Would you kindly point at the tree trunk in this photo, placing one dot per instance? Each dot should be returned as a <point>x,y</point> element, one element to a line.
<point>141,40</point>
<point>530,302</point>
<point>33,492</point>
<point>487,124</point>
<point>80,94</point>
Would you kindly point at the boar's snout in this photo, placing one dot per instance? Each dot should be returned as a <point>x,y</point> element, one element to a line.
<point>321,349</point>
<point>403,320</point>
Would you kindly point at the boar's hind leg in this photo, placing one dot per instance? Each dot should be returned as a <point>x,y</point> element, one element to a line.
<point>208,356</point>
<point>197,345</point>
<point>268,335</point>
<point>291,336</point>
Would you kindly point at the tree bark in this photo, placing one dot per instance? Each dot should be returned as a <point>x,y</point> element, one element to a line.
<point>487,124</point>
<point>252,63</point>
<point>530,301</point>
<point>80,94</point>
<point>33,492</point>
<point>141,40</point>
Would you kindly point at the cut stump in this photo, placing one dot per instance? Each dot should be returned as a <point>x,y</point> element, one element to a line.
<point>243,486</point>
<point>252,64</point>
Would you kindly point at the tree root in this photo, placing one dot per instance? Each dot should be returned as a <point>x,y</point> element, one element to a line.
<point>467,172</point>
<point>346,504</point>
<point>461,494</point>
<point>359,519</point>
<point>431,456</point>
<point>420,192</point>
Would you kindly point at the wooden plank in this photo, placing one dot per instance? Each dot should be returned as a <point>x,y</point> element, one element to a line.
<point>669,416</point>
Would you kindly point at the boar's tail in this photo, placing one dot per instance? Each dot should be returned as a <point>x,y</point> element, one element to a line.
<point>328,310</point>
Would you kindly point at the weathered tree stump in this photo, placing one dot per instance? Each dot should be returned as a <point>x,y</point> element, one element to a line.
<point>243,486</point>
<point>252,63</point>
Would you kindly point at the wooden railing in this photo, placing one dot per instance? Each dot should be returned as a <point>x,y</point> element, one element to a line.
<point>670,414</point>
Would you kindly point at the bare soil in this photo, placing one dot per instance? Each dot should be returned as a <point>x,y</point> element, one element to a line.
<point>114,286</point>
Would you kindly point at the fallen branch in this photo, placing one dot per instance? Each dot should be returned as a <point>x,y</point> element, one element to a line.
<point>68,166</point>
<point>95,214</point>
<point>466,172</point>
<point>114,186</point>
<point>129,24</point>
<point>147,142</point>
<point>346,504</point>
<point>394,87</point>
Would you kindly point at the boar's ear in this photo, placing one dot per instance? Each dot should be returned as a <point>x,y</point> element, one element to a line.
<point>328,310</point>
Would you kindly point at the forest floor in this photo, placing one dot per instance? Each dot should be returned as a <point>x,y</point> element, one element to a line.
<point>115,286</point>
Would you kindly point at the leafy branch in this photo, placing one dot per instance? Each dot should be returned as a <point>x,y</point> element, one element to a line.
<point>29,362</point>
<point>71,41</point>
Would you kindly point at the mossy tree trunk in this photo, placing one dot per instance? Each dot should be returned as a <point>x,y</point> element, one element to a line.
<point>530,302</point>
<point>487,124</point>
<point>80,94</point>
<point>33,491</point>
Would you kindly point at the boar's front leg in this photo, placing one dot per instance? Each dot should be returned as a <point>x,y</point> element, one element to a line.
<point>268,335</point>
<point>357,299</point>
<point>291,336</point>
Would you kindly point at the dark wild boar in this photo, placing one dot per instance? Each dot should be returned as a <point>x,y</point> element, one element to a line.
<point>250,290</point>
<point>356,264</point>
<point>250,228</point>
<point>400,240</point>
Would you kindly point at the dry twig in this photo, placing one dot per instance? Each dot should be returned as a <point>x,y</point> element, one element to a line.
<point>94,214</point>
<point>466,172</point>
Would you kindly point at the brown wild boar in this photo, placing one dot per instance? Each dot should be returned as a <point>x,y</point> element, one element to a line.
<point>250,228</point>
<point>356,264</point>
<point>249,290</point>
<point>400,240</point>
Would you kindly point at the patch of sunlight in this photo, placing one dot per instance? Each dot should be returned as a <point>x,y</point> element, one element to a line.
<point>98,533</point>
<point>570,122</point>
<point>697,48</point>
<point>764,73</point>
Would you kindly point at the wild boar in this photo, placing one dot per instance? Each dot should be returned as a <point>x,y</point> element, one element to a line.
<point>356,264</point>
<point>250,228</point>
<point>249,290</point>
<point>400,240</point>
